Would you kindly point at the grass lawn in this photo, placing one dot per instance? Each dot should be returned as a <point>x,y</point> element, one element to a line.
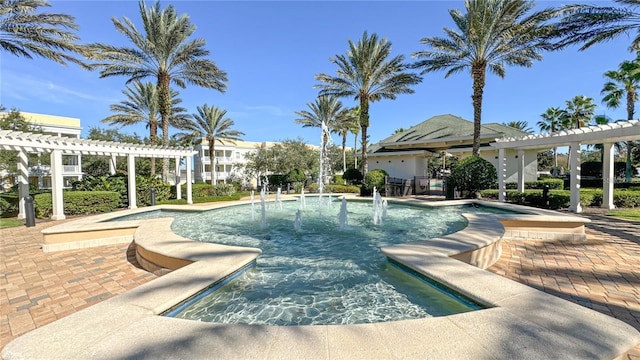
<point>7,223</point>
<point>629,214</point>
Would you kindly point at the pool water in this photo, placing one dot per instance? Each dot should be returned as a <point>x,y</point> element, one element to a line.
<point>321,274</point>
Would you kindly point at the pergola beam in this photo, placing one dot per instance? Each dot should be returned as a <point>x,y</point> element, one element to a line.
<point>597,134</point>
<point>25,142</point>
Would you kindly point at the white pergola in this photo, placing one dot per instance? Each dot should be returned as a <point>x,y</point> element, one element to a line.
<point>25,142</point>
<point>607,134</point>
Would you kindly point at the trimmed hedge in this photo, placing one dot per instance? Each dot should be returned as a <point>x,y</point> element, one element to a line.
<point>205,190</point>
<point>562,198</point>
<point>78,203</point>
<point>236,196</point>
<point>554,184</point>
<point>471,175</point>
<point>335,188</point>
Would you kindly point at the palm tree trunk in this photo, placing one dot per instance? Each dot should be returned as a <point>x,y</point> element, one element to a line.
<point>212,160</point>
<point>364,124</point>
<point>478,75</point>
<point>355,150</point>
<point>631,100</point>
<point>164,99</point>
<point>344,152</point>
<point>153,137</point>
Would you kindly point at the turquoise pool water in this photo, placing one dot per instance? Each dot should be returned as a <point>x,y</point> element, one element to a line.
<point>321,274</point>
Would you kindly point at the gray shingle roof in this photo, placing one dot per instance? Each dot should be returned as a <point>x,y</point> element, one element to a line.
<point>442,128</point>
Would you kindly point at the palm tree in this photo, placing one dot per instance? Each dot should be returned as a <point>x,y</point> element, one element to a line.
<point>141,106</point>
<point>591,24</point>
<point>520,125</point>
<point>552,122</point>
<point>26,33</point>
<point>211,125</point>
<point>366,73</point>
<point>491,34</point>
<point>345,125</point>
<point>579,112</point>
<point>355,130</point>
<point>623,83</point>
<point>163,52</point>
<point>326,113</point>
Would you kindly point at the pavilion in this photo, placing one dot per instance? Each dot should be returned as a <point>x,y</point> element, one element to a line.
<point>25,142</point>
<point>607,134</point>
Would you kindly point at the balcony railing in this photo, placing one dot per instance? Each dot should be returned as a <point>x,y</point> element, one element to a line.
<point>70,169</point>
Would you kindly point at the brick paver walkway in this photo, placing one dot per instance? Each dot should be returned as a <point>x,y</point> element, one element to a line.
<point>602,273</point>
<point>37,288</point>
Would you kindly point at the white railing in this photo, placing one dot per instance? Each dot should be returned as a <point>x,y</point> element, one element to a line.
<point>70,169</point>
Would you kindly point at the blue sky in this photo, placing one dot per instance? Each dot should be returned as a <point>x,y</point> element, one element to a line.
<point>272,50</point>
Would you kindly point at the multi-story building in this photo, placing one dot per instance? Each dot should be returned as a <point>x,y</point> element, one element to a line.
<point>39,171</point>
<point>228,163</point>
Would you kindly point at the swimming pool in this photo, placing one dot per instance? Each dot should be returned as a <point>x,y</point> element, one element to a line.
<point>321,274</point>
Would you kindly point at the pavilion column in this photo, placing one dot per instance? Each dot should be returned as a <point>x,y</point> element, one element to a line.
<point>608,178</point>
<point>57,201</point>
<point>23,181</point>
<point>502,170</point>
<point>131,175</point>
<point>520,157</point>
<point>189,194</point>
<point>177,178</point>
<point>574,161</point>
<point>112,165</point>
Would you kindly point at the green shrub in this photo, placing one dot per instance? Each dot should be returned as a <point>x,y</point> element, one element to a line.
<point>339,188</point>
<point>626,198</point>
<point>115,183</point>
<point>296,176</point>
<point>9,204</point>
<point>277,179</point>
<point>233,197</point>
<point>353,176</point>
<point>143,189</point>
<point>375,178</point>
<point>472,174</point>
<point>338,179</point>
<point>78,203</point>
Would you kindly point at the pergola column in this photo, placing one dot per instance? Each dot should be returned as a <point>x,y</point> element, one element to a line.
<point>131,175</point>
<point>112,165</point>
<point>520,157</point>
<point>574,161</point>
<point>23,181</point>
<point>177,178</point>
<point>57,201</point>
<point>608,178</point>
<point>189,194</point>
<point>502,169</point>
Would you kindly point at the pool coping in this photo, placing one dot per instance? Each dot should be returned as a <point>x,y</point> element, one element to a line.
<point>521,322</point>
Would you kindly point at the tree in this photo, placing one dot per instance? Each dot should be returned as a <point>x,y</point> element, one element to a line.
<point>326,112</point>
<point>552,122</point>
<point>520,125</point>
<point>355,130</point>
<point>211,125</point>
<point>591,24</point>
<point>579,112</point>
<point>96,165</point>
<point>623,83</point>
<point>366,73</point>
<point>343,127</point>
<point>141,106</point>
<point>164,53</point>
<point>491,34</point>
<point>14,121</point>
<point>25,33</point>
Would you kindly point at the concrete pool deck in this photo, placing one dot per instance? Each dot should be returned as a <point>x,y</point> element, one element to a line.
<point>505,331</point>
